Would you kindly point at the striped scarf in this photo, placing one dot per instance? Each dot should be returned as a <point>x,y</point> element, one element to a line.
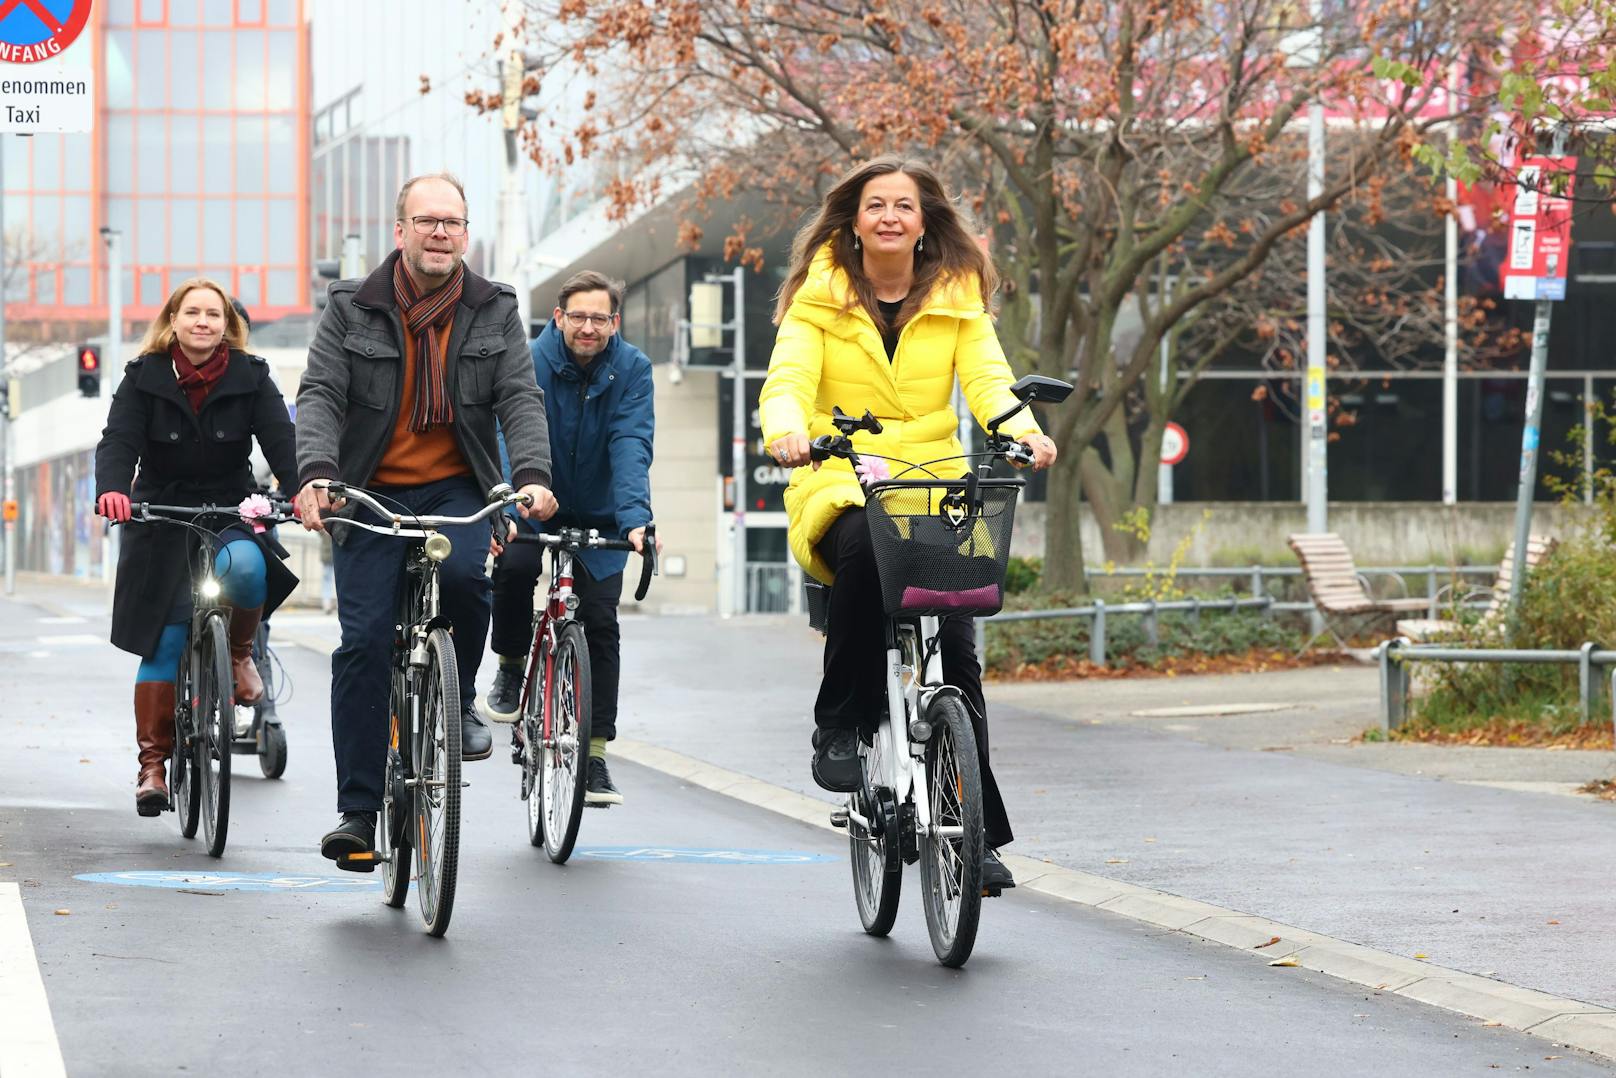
<point>197,380</point>
<point>424,318</point>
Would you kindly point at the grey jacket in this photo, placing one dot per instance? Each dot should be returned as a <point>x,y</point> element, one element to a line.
<point>349,398</point>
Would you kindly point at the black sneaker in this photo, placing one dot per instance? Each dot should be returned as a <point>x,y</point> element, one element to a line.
<point>356,834</point>
<point>836,762</point>
<point>995,876</point>
<point>600,790</point>
<point>476,739</point>
<point>504,700</point>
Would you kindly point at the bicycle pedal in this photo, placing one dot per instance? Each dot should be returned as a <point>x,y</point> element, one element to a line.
<point>838,818</point>
<point>992,892</point>
<point>359,862</point>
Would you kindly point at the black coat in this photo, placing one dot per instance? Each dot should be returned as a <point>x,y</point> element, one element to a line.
<point>186,458</point>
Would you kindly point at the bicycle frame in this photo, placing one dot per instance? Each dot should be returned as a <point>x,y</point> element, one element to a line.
<point>558,609</point>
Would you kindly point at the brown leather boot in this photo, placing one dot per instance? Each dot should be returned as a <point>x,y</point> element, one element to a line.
<point>243,627</point>
<point>154,733</point>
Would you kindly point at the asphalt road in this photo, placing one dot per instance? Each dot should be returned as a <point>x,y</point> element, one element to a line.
<point>705,964</point>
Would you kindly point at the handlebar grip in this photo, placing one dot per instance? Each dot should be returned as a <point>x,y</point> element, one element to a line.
<point>648,562</point>
<point>820,448</point>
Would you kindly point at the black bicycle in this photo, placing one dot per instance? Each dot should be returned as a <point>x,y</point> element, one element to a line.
<point>421,791</point>
<point>941,549</point>
<point>204,691</point>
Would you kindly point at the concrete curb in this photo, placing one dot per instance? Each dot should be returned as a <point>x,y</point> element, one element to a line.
<point>1568,1022</point>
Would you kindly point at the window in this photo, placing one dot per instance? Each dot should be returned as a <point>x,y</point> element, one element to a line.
<point>151,64</point>
<point>47,161</point>
<point>121,218</point>
<point>76,167</point>
<point>151,11</point>
<point>151,290</point>
<point>283,159</point>
<point>184,68</point>
<point>216,157</point>
<point>76,226</point>
<point>185,153</point>
<point>216,243</point>
<point>183,13</point>
<point>120,69</point>
<point>249,231</point>
<point>218,12</point>
<point>250,12</point>
<point>76,286</point>
<point>282,288</point>
<point>250,69</point>
<point>151,154</point>
<point>46,225</point>
<point>283,232</point>
<point>216,77</point>
<point>151,234</point>
<point>184,241</point>
<point>281,12</point>
<point>282,70</point>
<point>247,290</point>
<point>120,12</point>
<point>120,154</point>
<point>44,286</point>
<point>249,155</point>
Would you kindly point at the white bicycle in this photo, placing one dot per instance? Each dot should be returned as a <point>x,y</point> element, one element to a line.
<point>941,548</point>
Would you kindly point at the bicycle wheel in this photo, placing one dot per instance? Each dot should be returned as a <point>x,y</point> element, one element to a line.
<point>564,760</point>
<point>532,729</point>
<point>183,788</point>
<point>437,790</point>
<point>393,823</point>
<point>272,761</point>
<point>213,718</point>
<point>875,853</point>
<point>951,855</point>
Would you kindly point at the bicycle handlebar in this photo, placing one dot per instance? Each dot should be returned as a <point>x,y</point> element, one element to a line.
<point>422,525</point>
<point>153,513</point>
<point>590,539</point>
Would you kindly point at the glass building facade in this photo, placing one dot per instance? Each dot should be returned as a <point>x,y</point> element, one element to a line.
<point>199,158</point>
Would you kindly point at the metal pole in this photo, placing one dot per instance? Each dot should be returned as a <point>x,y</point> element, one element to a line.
<point>352,263</point>
<point>112,370</point>
<point>1164,472</point>
<point>1317,491</point>
<point>1531,434</point>
<point>738,598</point>
<point>512,238</point>
<point>1588,439</point>
<point>1450,322</point>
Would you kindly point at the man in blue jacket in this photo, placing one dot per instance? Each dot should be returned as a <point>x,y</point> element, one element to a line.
<point>598,390</point>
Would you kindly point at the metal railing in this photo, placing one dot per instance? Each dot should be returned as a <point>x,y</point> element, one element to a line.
<point>1099,610</point>
<point>773,588</point>
<point>1395,656</point>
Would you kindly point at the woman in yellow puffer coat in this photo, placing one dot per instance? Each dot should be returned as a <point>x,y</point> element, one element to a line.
<point>886,302</point>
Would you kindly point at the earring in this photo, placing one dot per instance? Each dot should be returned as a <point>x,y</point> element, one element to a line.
<point>920,244</point>
<point>855,241</point>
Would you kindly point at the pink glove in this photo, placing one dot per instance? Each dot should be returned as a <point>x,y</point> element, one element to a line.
<point>113,506</point>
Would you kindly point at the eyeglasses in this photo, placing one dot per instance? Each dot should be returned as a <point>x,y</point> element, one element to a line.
<point>576,319</point>
<point>452,226</point>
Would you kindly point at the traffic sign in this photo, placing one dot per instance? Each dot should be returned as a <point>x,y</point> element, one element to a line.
<point>47,82</point>
<point>1540,229</point>
<point>1175,444</point>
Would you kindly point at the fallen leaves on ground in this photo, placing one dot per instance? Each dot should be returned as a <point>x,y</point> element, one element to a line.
<point>1511,733</point>
<point>1255,661</point>
<point>1604,789</point>
<point>1288,960</point>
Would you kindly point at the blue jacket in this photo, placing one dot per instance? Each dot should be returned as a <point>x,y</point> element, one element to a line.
<point>601,425</point>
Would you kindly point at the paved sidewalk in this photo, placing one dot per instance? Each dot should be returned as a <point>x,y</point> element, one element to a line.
<point>1277,814</point>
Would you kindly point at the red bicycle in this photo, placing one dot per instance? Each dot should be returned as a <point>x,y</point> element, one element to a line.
<point>551,738</point>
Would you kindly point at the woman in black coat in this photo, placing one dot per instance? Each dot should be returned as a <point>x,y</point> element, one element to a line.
<point>186,413</point>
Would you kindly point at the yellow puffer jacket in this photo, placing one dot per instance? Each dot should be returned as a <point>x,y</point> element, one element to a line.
<point>824,358</point>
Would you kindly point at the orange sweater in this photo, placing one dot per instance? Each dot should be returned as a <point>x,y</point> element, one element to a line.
<point>412,459</point>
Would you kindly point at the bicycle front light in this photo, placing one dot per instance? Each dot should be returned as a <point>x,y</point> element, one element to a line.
<point>919,730</point>
<point>210,588</point>
<point>438,546</point>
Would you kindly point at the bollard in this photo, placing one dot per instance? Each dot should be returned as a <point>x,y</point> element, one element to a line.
<point>1152,630</point>
<point>1195,613</point>
<point>1587,681</point>
<point>1097,634</point>
<point>1393,686</point>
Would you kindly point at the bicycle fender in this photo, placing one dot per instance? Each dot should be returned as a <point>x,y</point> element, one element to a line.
<point>928,695</point>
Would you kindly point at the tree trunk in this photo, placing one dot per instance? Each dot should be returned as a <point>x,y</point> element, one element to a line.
<point>1063,533</point>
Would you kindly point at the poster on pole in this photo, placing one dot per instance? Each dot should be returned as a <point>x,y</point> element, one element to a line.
<point>1540,229</point>
<point>47,79</point>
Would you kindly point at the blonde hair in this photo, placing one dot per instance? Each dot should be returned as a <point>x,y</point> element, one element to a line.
<point>160,334</point>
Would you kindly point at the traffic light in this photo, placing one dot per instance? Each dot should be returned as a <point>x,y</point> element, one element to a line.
<point>90,370</point>
<point>326,270</point>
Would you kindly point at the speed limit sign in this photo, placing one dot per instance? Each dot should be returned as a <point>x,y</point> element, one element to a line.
<point>1175,444</point>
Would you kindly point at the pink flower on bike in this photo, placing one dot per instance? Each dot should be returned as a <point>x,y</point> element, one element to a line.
<point>872,470</point>
<point>254,506</point>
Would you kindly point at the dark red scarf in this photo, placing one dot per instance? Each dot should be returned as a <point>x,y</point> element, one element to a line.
<point>424,319</point>
<point>198,381</point>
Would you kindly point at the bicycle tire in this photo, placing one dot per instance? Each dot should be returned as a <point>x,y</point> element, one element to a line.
<point>532,727</point>
<point>437,790</point>
<point>213,718</point>
<point>951,868</point>
<point>564,762</point>
<point>876,859</point>
<point>393,822</point>
<point>183,790</point>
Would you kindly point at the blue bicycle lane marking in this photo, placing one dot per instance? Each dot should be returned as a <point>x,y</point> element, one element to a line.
<point>692,856</point>
<point>205,880</point>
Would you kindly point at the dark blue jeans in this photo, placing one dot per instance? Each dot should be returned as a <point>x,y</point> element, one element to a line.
<point>369,571</point>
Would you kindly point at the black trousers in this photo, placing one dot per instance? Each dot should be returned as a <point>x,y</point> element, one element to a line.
<point>516,574</point>
<point>853,691</point>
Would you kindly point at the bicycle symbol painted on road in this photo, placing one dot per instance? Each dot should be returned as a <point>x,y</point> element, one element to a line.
<point>179,880</point>
<point>687,855</point>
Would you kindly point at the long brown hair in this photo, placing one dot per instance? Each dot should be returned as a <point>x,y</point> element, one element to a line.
<point>160,334</point>
<point>950,248</point>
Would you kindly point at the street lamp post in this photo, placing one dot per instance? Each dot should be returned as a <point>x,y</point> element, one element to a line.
<point>112,366</point>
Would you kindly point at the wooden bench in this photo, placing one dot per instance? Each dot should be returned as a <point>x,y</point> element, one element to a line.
<point>1420,630</point>
<point>1339,592</point>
